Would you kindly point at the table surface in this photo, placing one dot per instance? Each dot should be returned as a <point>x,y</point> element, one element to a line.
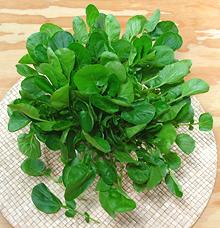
<point>199,24</point>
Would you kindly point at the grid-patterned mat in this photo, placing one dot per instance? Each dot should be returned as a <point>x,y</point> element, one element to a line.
<point>156,208</point>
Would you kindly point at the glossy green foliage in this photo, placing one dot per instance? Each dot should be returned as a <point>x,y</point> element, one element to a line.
<point>79,177</point>
<point>45,200</point>
<point>205,122</point>
<point>33,167</point>
<point>29,145</point>
<point>109,104</point>
<point>186,143</point>
<point>115,201</point>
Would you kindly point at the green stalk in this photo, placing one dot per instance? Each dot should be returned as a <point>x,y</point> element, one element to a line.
<point>80,213</point>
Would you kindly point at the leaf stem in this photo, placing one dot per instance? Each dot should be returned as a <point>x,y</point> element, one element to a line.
<point>121,176</point>
<point>188,124</point>
<point>82,214</point>
<point>175,100</point>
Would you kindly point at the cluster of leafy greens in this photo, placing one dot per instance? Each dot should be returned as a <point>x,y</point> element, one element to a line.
<point>111,106</point>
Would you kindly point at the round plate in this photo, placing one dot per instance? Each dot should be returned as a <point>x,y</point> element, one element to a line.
<point>155,208</point>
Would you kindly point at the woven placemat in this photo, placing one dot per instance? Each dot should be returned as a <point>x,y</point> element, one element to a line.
<point>155,208</point>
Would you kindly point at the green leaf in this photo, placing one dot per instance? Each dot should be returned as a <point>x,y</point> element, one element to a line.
<point>102,186</point>
<point>86,121</point>
<point>170,74</point>
<point>186,143</point>
<point>146,61</point>
<point>26,109</point>
<point>205,122</point>
<point>163,56</point>
<point>58,125</point>
<point>40,135</point>
<point>98,142</point>
<point>116,201</point>
<point>173,185</point>
<point>67,60</point>
<point>106,171</point>
<point>46,126</point>
<point>45,200</point>
<point>139,174</point>
<point>122,48</point>
<point>79,178</point>
<point>113,86</point>
<point>33,167</point>
<point>26,59</point>
<point>166,137</point>
<point>194,86</point>
<point>163,27</point>
<point>48,70</point>
<point>61,39</point>
<point>143,46</point>
<point>173,111</point>
<point>173,160</point>
<point>70,213</point>
<point>29,86</point>
<point>142,113</point>
<point>155,177</point>
<point>53,70</point>
<point>71,204</point>
<point>126,91</point>
<point>124,157</point>
<point>56,67</point>
<point>92,15</point>
<point>66,131</point>
<point>82,55</point>
<point>50,29</point>
<point>61,125</point>
<point>90,78</point>
<point>17,121</point>
<point>60,98</point>
<point>29,145</point>
<point>107,56</point>
<point>116,68</point>
<point>40,52</point>
<point>186,114</point>
<point>25,70</point>
<point>131,131</point>
<point>161,108</point>
<point>100,22</point>
<point>172,91</point>
<point>80,30</point>
<point>39,38</point>
<point>112,28</point>
<point>53,141</point>
<point>154,128</point>
<point>98,43</point>
<point>103,103</point>
<point>43,83</point>
<point>153,21</point>
<point>170,39</point>
<point>132,55</point>
<point>139,187</point>
<point>121,102</point>
<point>134,26</point>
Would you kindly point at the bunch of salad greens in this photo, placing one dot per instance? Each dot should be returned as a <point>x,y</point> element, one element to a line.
<point>110,104</point>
